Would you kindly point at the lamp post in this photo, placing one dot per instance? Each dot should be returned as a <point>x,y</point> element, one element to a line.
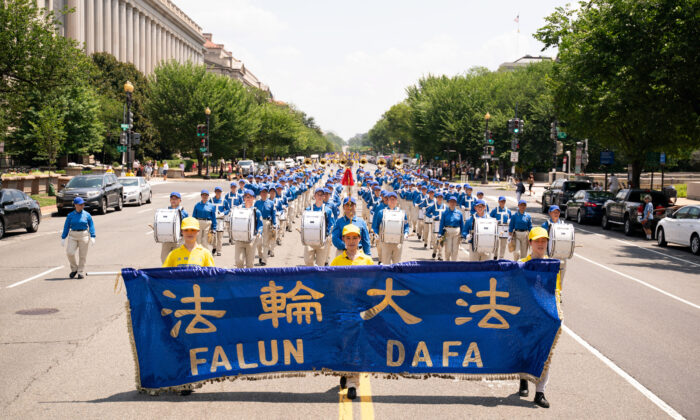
<point>207,112</point>
<point>487,117</point>
<point>128,89</point>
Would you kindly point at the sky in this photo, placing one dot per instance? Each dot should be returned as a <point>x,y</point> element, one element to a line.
<point>347,62</point>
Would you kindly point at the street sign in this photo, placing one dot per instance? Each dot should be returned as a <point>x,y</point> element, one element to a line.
<point>202,149</point>
<point>208,154</point>
<point>125,127</point>
<point>514,157</point>
<point>662,158</point>
<point>121,149</point>
<point>607,157</point>
<point>486,157</point>
<point>561,135</point>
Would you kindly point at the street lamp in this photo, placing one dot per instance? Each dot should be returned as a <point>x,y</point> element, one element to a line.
<point>487,117</point>
<point>207,111</point>
<point>128,89</point>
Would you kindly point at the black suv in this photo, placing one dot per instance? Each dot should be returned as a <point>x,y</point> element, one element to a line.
<point>18,211</point>
<point>560,192</point>
<point>98,191</point>
<point>627,208</point>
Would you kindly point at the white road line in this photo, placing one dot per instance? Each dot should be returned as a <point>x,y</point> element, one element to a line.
<point>640,282</point>
<point>34,277</point>
<point>641,247</point>
<point>143,211</point>
<point>639,387</point>
<point>150,232</point>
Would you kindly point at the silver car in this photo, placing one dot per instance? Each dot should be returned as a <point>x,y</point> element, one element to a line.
<point>136,190</point>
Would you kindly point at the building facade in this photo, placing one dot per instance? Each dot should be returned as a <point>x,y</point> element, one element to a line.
<point>142,32</point>
<point>523,62</point>
<point>220,61</point>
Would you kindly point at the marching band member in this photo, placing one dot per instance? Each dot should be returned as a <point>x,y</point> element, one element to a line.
<point>280,201</point>
<point>554,217</point>
<point>538,239</point>
<point>206,214</point>
<point>390,253</point>
<point>519,227</point>
<point>190,252</point>
<point>434,212</point>
<point>480,212</point>
<point>175,200</point>
<point>269,216</point>
<point>234,199</point>
<point>348,218</point>
<point>334,210</point>
<point>427,225</point>
<point>502,214</point>
<point>416,198</point>
<point>451,228</point>
<point>245,251</point>
<point>221,209</point>
<point>352,255</point>
<point>480,196</point>
<point>317,255</point>
<point>420,223</point>
<point>468,201</point>
<point>80,231</point>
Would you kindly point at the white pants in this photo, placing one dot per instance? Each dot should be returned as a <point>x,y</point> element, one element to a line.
<point>245,254</point>
<point>315,255</point>
<point>203,234</point>
<point>521,245</point>
<point>263,243</point>
<point>452,240</point>
<point>427,228</point>
<point>329,242</point>
<point>166,248</point>
<point>479,256</point>
<point>219,234</point>
<point>502,245</point>
<point>390,253</point>
<point>77,242</point>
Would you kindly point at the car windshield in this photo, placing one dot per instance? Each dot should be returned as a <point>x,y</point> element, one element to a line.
<point>600,195</point>
<point>129,182</point>
<point>245,162</point>
<point>575,186</point>
<point>85,182</point>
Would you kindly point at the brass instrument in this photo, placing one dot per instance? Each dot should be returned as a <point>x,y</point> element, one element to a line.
<point>323,161</point>
<point>363,161</point>
<point>343,162</point>
<point>308,161</point>
<point>398,163</point>
<point>381,162</point>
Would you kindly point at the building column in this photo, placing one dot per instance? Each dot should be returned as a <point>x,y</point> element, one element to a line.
<point>116,34</point>
<point>163,43</point>
<point>73,21</point>
<point>125,34</point>
<point>99,25</point>
<point>154,44</point>
<point>108,27</point>
<point>146,45</point>
<point>168,45</point>
<point>89,26</point>
<point>141,43</point>
<point>158,42</point>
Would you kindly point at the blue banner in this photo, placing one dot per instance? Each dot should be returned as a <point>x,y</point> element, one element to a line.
<point>495,319</point>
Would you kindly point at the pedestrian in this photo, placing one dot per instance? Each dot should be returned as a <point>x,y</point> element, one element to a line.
<point>554,218</point>
<point>480,213</point>
<point>79,229</point>
<point>519,189</point>
<point>315,256</point>
<point>175,203</point>
<point>538,239</point>
<point>165,171</point>
<point>390,252</point>
<point>270,225</point>
<point>614,184</point>
<point>647,215</point>
<point>530,182</point>
<point>518,228</point>
<point>352,255</point>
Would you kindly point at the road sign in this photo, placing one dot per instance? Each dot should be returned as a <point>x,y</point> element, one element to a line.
<point>607,157</point>
<point>514,157</point>
<point>662,158</point>
<point>486,157</point>
<point>202,149</point>
<point>208,154</point>
<point>561,135</point>
<point>121,149</point>
<point>125,127</point>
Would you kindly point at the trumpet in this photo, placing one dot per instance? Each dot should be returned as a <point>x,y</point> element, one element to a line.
<point>323,162</point>
<point>381,162</point>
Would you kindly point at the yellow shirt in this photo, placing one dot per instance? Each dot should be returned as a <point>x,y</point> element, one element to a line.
<point>182,256</point>
<point>529,257</point>
<point>360,259</point>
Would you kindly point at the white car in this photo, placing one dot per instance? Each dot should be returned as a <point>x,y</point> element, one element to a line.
<point>136,190</point>
<point>279,164</point>
<point>289,163</point>
<point>682,227</point>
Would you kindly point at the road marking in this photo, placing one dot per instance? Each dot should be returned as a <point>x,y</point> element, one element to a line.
<point>640,282</point>
<point>641,247</point>
<point>149,232</point>
<point>366,407</point>
<point>143,211</point>
<point>34,277</point>
<point>344,405</point>
<point>639,387</point>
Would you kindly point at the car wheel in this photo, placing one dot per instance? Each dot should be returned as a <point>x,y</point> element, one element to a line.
<point>660,237</point>
<point>140,202</point>
<point>2,229</point>
<point>604,222</point>
<point>150,196</point>
<point>579,217</point>
<point>33,222</point>
<point>628,226</point>
<point>694,244</point>
<point>120,203</point>
<point>103,206</point>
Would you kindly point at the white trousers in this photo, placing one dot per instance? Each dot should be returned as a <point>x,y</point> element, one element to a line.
<point>245,254</point>
<point>77,242</point>
<point>502,245</point>
<point>521,245</point>
<point>390,253</point>
<point>452,240</point>
<point>263,243</point>
<point>203,235</point>
<point>315,255</point>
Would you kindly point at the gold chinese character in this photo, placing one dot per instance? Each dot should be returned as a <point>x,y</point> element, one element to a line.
<point>388,300</point>
<point>463,319</point>
<point>275,304</point>
<point>198,313</point>
<point>493,308</point>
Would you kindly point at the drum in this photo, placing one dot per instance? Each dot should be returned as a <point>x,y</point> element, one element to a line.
<point>392,226</point>
<point>166,225</point>
<point>561,241</point>
<point>502,231</point>
<point>484,235</point>
<point>313,228</point>
<point>242,224</point>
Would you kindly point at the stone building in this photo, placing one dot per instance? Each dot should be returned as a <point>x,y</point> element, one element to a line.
<point>522,62</point>
<point>221,61</point>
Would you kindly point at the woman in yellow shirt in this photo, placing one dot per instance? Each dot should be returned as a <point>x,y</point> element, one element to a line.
<point>189,253</point>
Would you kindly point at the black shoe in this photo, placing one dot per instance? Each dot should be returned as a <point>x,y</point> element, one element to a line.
<point>439,258</point>
<point>185,392</point>
<point>343,382</point>
<point>218,254</point>
<point>325,264</point>
<point>72,274</point>
<point>433,255</point>
<point>425,245</point>
<point>523,391</point>
<point>79,276</point>
<point>541,400</point>
<point>260,261</point>
<point>352,393</point>
<point>213,251</point>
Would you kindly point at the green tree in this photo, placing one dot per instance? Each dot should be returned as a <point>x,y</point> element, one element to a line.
<point>627,74</point>
<point>49,134</point>
<point>336,141</point>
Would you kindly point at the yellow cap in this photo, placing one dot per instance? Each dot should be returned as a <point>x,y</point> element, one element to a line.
<point>189,223</point>
<point>350,229</point>
<point>537,233</point>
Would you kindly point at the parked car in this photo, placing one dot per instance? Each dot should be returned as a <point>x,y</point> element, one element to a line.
<point>18,211</point>
<point>289,163</point>
<point>99,192</point>
<point>261,168</point>
<point>247,167</point>
<point>561,191</point>
<point>136,190</point>
<point>279,164</point>
<point>587,205</point>
<point>682,227</point>
<point>627,207</point>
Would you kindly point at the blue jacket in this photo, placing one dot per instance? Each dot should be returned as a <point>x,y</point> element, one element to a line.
<point>503,216</point>
<point>452,218</point>
<point>205,211</point>
<point>267,210</point>
<point>78,221</point>
<point>520,221</point>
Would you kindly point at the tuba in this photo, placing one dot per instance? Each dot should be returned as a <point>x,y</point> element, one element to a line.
<point>363,161</point>
<point>343,162</point>
<point>381,162</point>
<point>323,162</point>
<point>307,162</point>
<point>398,163</point>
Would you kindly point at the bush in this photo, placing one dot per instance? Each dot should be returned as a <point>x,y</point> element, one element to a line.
<point>681,190</point>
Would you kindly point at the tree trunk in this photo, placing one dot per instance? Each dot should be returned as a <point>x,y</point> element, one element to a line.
<point>636,173</point>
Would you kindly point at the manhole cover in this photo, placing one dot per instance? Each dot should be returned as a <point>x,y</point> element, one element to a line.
<point>37,311</point>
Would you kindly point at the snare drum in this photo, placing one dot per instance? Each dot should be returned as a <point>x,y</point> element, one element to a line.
<point>166,226</point>
<point>484,235</point>
<point>392,226</point>
<point>561,241</point>
<point>242,224</point>
<point>313,228</point>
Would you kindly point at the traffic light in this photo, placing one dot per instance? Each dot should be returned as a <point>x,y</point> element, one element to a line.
<point>560,147</point>
<point>489,137</point>
<point>510,125</point>
<point>490,150</point>
<point>130,119</point>
<point>553,131</point>
<point>200,131</point>
<point>135,138</point>
<point>516,126</point>
<point>122,138</point>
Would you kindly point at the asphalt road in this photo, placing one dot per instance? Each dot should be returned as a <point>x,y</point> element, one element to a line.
<point>629,346</point>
